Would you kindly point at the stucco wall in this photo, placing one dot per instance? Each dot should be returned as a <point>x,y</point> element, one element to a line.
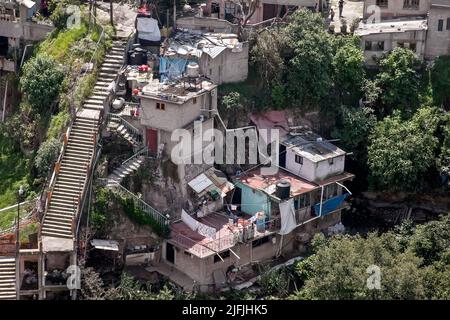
<point>314,171</point>
<point>227,67</point>
<point>391,41</point>
<point>438,42</point>
<point>395,9</point>
<point>175,115</point>
<point>253,201</point>
<point>27,30</point>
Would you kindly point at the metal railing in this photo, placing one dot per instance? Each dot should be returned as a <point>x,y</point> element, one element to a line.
<point>161,219</point>
<point>132,130</point>
<point>144,151</point>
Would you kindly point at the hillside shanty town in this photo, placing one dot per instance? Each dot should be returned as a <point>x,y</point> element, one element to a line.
<point>224,150</point>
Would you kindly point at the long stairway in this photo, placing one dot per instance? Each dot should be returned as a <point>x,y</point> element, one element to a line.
<point>7,278</point>
<point>113,62</point>
<point>74,168</point>
<point>71,179</point>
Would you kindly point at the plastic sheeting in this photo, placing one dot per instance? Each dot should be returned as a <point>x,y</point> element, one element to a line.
<point>287,212</point>
<point>171,68</point>
<point>148,29</point>
<point>330,205</point>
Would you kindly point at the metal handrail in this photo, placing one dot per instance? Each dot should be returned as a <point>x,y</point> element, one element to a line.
<point>144,150</point>
<point>144,206</point>
<point>66,135</point>
<point>135,131</point>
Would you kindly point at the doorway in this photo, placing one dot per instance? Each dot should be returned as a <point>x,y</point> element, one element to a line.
<point>152,140</point>
<point>170,253</point>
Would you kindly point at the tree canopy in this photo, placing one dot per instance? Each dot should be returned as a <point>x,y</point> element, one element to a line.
<point>41,82</point>
<point>401,151</point>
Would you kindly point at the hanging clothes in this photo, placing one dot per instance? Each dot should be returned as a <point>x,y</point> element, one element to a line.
<point>191,222</point>
<point>288,221</point>
<point>206,231</point>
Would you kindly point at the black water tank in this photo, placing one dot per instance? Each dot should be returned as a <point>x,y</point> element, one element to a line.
<point>283,189</point>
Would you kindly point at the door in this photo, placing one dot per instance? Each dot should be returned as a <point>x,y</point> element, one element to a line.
<point>282,156</point>
<point>152,140</point>
<point>170,253</point>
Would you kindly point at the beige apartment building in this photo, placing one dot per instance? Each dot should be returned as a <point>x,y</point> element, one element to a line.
<point>420,25</point>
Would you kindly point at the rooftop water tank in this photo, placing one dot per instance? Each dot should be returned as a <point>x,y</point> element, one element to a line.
<point>192,70</point>
<point>283,190</point>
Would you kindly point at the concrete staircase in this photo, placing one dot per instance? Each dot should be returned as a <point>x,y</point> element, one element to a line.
<point>125,129</point>
<point>113,62</point>
<point>71,179</point>
<point>124,170</point>
<point>8,278</point>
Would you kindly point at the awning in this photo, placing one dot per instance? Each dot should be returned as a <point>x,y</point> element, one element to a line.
<point>110,245</point>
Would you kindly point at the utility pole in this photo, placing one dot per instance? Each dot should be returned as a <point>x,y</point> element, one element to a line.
<point>111,12</point>
<point>174,14</point>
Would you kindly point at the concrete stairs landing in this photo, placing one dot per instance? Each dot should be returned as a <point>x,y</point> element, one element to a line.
<point>8,278</point>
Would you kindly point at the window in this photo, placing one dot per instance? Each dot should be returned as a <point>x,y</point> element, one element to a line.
<point>400,44</point>
<point>368,45</point>
<point>224,255</point>
<point>440,25</point>
<point>330,191</point>
<point>303,201</point>
<point>331,161</point>
<point>160,106</point>
<point>382,3</point>
<point>298,159</point>
<point>411,4</point>
<point>380,45</point>
<point>448,23</point>
<point>413,46</point>
<point>260,242</point>
<point>194,100</point>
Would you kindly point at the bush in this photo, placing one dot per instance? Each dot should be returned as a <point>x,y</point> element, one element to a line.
<point>47,155</point>
<point>41,82</point>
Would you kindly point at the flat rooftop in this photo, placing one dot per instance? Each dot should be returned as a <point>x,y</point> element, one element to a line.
<point>195,44</point>
<point>177,91</point>
<point>267,183</point>
<point>227,235</point>
<point>392,26</point>
<point>311,146</point>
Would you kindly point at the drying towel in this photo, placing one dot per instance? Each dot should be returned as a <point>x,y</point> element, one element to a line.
<point>191,222</point>
<point>206,231</point>
<point>287,212</point>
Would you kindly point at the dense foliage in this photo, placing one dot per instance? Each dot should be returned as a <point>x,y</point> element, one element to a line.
<point>413,264</point>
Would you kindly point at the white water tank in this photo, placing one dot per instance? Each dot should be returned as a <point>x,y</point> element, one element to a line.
<point>193,70</point>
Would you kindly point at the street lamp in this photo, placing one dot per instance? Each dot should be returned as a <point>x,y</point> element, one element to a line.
<point>20,194</point>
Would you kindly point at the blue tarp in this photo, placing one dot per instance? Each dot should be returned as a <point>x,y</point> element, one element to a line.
<point>170,68</point>
<point>330,205</point>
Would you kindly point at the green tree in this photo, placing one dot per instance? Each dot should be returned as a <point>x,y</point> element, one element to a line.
<point>309,78</point>
<point>354,131</point>
<point>399,78</point>
<point>400,153</point>
<point>338,269</point>
<point>348,70</point>
<point>41,82</point>
<point>47,155</point>
<point>440,81</point>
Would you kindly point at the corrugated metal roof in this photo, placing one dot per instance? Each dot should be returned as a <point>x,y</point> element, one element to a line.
<point>213,52</point>
<point>200,183</point>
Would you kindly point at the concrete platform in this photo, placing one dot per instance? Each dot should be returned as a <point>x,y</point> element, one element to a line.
<point>52,244</point>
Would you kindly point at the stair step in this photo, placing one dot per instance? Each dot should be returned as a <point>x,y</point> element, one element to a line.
<point>61,214</point>
<point>93,107</point>
<point>51,233</point>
